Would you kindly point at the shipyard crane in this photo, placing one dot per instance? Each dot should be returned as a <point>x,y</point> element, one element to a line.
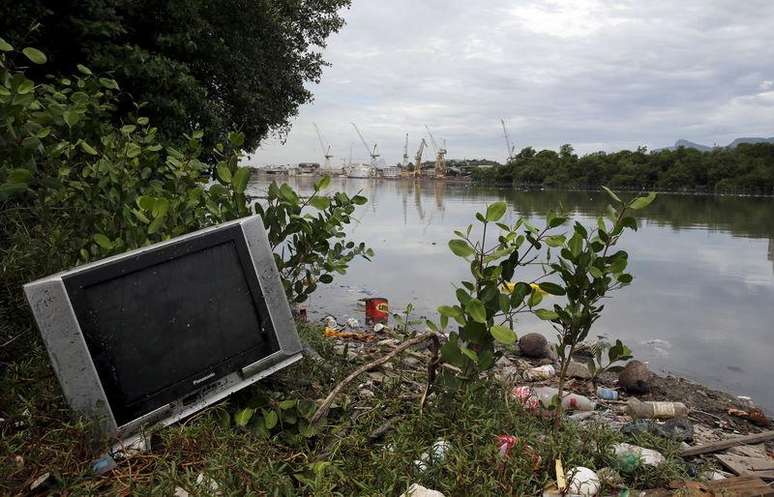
<point>370,152</point>
<point>325,150</point>
<point>440,155</point>
<point>418,158</point>
<point>405,152</point>
<point>507,141</point>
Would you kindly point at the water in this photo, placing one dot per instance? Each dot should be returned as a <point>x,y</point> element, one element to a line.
<point>701,305</point>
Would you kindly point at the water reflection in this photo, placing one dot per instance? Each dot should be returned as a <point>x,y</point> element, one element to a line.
<point>700,306</point>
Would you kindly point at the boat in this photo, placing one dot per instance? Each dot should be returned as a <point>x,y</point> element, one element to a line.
<point>361,170</point>
<point>391,172</point>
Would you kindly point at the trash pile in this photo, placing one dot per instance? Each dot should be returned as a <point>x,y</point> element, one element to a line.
<point>637,401</point>
<point>708,424</point>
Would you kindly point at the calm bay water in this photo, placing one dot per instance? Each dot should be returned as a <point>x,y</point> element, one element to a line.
<point>701,305</point>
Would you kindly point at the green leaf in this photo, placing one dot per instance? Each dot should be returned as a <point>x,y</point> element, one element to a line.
<point>270,419</point>
<point>546,315</point>
<point>495,211</point>
<point>71,117</point>
<point>475,309</point>
<point>596,272</point>
<point>108,83</point>
<point>325,278</point>
<point>223,172</point>
<point>625,278</point>
<point>83,69</point>
<point>133,150</point>
<point>103,241</point>
<point>5,46</point>
<point>35,55</point>
<point>551,288</point>
<point>469,353</point>
<point>612,195</point>
<point>240,179</point>
<point>323,183</point>
<point>555,240</point>
<point>288,404</point>
<point>452,312</point>
<point>359,200</point>
<point>461,248</point>
<point>88,148</point>
<point>503,334</point>
<point>19,175</point>
<point>243,416</point>
<point>320,203</point>
<point>143,121</point>
<point>25,87</point>
<point>642,202</point>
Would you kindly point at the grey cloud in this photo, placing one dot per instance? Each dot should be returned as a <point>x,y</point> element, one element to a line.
<point>600,74</point>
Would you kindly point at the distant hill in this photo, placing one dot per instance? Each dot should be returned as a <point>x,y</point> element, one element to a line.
<point>750,140</point>
<point>704,148</point>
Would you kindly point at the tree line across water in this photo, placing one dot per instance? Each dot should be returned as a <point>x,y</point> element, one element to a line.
<point>747,168</point>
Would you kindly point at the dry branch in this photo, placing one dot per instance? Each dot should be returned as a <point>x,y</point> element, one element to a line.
<point>326,404</point>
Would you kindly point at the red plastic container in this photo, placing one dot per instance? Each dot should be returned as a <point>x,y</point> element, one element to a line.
<point>377,310</point>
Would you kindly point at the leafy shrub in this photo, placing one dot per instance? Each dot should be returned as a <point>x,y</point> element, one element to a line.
<point>488,305</point>
<point>76,186</point>
<point>588,272</point>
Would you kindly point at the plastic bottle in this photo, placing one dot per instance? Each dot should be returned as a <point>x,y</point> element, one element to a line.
<point>607,393</point>
<point>571,401</point>
<point>660,410</point>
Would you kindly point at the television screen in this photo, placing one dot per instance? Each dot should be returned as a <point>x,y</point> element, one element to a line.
<point>165,323</point>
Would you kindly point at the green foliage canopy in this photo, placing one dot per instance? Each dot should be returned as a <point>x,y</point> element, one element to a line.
<point>214,66</point>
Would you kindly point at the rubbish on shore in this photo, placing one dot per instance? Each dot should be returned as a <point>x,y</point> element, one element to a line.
<point>103,465</point>
<point>505,443</point>
<point>583,482</point>
<point>635,377</point>
<point>436,455</point>
<point>352,323</point>
<point>181,492</point>
<point>714,475</point>
<point>377,310</point>
<point>756,466</point>
<point>378,328</point>
<point>540,373</point>
<point>607,393</point>
<point>561,479</point>
<point>741,486</point>
<point>755,415</point>
<point>44,483</point>
<point>348,335</point>
<point>679,429</point>
<point>728,443</point>
<point>660,410</point>
<point>649,457</point>
<point>525,397</point>
<point>570,401</point>
<point>209,483</point>
<point>533,345</point>
<point>610,478</point>
<point>578,370</point>
<point>417,490</point>
<point>746,401</point>
<point>330,322</point>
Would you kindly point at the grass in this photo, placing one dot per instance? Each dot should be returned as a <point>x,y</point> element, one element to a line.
<point>339,460</point>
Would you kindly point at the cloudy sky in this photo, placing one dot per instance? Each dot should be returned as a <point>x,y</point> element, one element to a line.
<point>599,74</point>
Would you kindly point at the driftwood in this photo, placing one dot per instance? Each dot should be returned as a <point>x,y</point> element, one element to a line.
<point>326,404</point>
<point>728,443</point>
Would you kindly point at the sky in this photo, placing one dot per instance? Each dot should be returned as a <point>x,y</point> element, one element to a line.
<point>598,74</point>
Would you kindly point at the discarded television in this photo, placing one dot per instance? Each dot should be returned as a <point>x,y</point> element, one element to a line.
<point>151,336</point>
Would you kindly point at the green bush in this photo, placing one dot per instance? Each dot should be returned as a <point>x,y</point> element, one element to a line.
<point>76,186</point>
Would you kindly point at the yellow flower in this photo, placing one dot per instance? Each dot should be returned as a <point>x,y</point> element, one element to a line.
<point>536,288</point>
<point>508,287</point>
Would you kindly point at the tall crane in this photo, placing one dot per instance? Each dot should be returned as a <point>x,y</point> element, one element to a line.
<point>369,151</point>
<point>507,141</point>
<point>405,152</point>
<point>440,155</point>
<point>418,158</point>
<point>325,150</point>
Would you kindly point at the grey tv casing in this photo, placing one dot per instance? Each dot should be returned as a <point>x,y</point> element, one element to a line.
<point>72,361</point>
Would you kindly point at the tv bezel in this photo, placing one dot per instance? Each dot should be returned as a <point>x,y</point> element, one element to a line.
<point>52,307</point>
